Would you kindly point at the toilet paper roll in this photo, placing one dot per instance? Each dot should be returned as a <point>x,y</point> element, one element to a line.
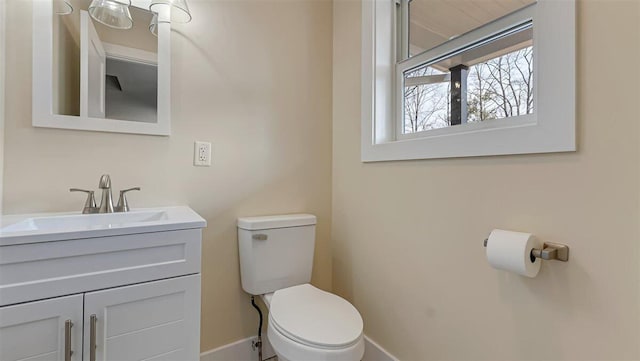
<point>511,251</point>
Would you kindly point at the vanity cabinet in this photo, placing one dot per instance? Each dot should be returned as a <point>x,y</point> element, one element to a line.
<point>35,331</point>
<point>106,294</point>
<point>149,321</point>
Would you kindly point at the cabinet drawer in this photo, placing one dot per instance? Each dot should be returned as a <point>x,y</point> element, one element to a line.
<point>42,270</point>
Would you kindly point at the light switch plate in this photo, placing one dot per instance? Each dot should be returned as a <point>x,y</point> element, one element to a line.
<point>202,154</point>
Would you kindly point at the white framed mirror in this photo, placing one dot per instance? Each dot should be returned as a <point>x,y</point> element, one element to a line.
<point>89,76</point>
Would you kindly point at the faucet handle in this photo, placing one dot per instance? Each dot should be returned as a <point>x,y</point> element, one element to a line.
<point>90,204</point>
<point>123,205</point>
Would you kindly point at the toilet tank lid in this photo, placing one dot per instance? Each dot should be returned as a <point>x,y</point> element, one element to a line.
<point>277,221</point>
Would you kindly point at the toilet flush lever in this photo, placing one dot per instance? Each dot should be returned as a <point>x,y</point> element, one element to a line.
<point>259,237</point>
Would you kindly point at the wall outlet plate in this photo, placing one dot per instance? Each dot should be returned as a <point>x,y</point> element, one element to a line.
<point>202,154</point>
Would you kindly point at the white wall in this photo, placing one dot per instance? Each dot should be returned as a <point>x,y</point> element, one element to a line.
<point>407,236</point>
<point>252,77</point>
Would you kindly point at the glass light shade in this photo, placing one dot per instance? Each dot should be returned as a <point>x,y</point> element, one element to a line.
<point>178,10</point>
<point>153,27</point>
<point>112,13</point>
<point>62,7</point>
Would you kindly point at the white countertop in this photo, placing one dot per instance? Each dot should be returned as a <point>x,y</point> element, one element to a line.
<point>47,227</point>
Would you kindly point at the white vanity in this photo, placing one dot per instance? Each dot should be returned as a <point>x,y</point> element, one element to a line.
<point>120,286</point>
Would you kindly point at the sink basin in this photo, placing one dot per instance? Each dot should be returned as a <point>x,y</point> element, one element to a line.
<point>58,226</point>
<point>80,221</point>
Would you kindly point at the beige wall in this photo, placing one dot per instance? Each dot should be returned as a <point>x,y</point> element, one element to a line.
<point>66,62</point>
<point>407,236</point>
<point>254,78</point>
<point>2,91</point>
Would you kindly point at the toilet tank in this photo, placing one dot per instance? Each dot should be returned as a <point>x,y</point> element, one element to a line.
<point>275,251</point>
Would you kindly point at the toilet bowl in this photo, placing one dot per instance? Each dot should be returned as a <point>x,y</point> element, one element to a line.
<point>305,323</point>
<point>309,324</point>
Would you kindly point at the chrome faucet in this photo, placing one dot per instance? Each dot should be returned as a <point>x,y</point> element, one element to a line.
<point>106,202</point>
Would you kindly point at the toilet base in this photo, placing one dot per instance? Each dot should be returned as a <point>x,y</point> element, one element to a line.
<point>289,350</point>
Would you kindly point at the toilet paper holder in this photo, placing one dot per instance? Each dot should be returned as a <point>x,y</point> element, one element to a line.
<point>549,251</point>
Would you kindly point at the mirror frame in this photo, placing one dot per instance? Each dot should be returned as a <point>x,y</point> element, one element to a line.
<point>42,81</point>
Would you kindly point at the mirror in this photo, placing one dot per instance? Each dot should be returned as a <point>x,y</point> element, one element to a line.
<point>104,72</point>
<point>96,77</point>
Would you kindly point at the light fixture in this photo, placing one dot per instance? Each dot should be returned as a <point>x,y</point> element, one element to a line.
<point>171,10</point>
<point>112,13</point>
<point>62,7</point>
<point>153,26</point>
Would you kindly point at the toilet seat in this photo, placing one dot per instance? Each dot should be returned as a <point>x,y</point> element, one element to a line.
<point>290,350</point>
<point>315,318</point>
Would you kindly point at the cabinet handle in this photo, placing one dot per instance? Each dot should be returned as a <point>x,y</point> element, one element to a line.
<point>67,340</point>
<point>92,338</point>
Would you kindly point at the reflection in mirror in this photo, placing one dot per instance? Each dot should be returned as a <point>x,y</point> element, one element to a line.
<point>101,72</point>
<point>62,7</point>
<point>490,79</point>
<point>434,22</point>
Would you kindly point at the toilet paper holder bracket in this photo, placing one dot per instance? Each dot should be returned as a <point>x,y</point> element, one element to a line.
<point>549,251</point>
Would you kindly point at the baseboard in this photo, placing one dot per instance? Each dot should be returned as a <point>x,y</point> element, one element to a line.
<point>239,351</point>
<point>242,351</point>
<point>375,352</point>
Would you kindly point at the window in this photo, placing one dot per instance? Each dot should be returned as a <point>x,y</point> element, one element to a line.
<point>467,78</point>
<point>482,83</point>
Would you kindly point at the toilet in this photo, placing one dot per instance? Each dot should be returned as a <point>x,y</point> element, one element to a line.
<point>305,323</point>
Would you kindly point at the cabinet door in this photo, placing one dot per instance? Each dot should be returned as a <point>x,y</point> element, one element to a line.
<point>149,321</point>
<point>39,331</point>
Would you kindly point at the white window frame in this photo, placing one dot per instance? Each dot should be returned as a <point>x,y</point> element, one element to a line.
<point>551,128</point>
